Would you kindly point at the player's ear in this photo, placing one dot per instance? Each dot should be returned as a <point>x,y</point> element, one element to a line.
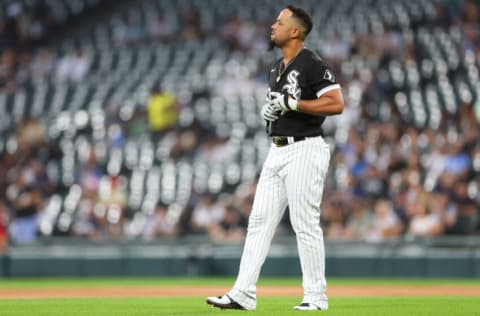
<point>296,32</point>
<point>293,32</point>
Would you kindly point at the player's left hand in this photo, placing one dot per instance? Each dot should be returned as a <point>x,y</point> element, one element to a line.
<point>283,101</point>
<point>269,113</point>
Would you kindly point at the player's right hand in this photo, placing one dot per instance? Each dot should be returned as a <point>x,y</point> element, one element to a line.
<point>283,101</point>
<point>269,112</point>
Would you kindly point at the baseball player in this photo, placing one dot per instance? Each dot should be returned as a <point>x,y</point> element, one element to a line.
<point>302,92</point>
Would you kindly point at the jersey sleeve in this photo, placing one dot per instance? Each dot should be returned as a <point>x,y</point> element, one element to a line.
<point>322,78</point>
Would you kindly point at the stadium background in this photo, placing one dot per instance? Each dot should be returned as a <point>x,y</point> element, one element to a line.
<point>131,140</point>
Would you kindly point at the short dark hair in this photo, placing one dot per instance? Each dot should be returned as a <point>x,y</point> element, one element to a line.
<point>303,17</point>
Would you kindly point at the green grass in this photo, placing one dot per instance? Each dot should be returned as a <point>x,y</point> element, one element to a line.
<point>199,281</point>
<point>358,306</point>
<point>266,306</point>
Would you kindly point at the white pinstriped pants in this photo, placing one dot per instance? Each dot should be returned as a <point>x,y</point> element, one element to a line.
<point>292,174</point>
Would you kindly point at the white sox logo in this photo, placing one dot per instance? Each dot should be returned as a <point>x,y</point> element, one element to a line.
<point>292,87</point>
<point>328,76</point>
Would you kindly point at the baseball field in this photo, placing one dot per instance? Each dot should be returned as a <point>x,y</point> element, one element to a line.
<point>276,296</point>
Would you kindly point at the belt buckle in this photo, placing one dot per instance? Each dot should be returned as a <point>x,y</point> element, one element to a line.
<point>279,141</point>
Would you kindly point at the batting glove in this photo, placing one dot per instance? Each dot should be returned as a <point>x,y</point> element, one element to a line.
<point>269,113</point>
<point>283,101</point>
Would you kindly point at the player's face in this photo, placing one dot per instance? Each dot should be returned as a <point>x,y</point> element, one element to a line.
<point>282,28</point>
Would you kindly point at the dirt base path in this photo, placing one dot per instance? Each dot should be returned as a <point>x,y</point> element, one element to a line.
<point>173,291</point>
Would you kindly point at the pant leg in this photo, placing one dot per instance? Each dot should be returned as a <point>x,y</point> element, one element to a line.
<point>304,185</point>
<point>268,207</point>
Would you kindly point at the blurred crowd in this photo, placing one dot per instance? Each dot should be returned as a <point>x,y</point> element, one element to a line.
<point>25,184</point>
<point>34,174</point>
<point>388,178</point>
<point>417,183</point>
<point>24,56</point>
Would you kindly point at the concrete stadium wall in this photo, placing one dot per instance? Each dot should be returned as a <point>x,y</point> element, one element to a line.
<point>177,259</point>
<point>345,266</point>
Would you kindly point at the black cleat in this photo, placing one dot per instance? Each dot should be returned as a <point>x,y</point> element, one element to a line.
<point>223,302</point>
<point>307,307</point>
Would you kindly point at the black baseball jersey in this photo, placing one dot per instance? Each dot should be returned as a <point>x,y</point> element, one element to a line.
<point>306,77</point>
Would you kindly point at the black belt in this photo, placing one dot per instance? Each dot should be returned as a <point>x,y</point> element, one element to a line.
<point>281,141</point>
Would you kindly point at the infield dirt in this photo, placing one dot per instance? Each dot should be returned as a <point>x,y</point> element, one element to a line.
<point>177,291</point>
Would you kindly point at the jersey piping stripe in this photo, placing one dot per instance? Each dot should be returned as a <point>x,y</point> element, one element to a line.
<point>327,88</point>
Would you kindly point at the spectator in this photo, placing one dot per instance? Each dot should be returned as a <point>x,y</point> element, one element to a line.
<point>133,31</point>
<point>162,110</point>
<point>42,64</point>
<point>161,224</point>
<point>22,69</point>
<point>231,228</point>
<point>467,219</point>
<point>191,30</point>
<point>73,67</point>
<point>423,221</point>
<point>333,217</point>
<point>112,203</point>
<point>113,192</point>
<point>13,34</point>
<point>385,224</point>
<point>230,32</point>
<point>335,49</point>
<point>457,161</point>
<point>85,224</point>
<point>446,209</point>
<point>206,214</point>
<point>89,176</point>
<point>360,221</point>
<point>187,143</point>
<point>27,202</point>
<point>3,229</point>
<point>162,27</point>
<point>217,150</point>
<point>8,64</point>
<point>40,21</point>
<point>130,31</point>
